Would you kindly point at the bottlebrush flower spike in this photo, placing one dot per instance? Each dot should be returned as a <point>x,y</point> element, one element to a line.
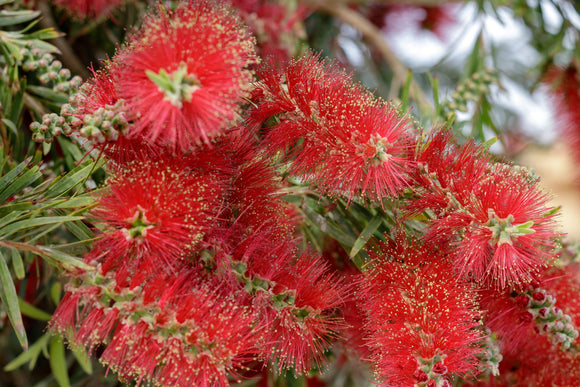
<point>509,238</point>
<point>154,211</point>
<point>297,301</point>
<point>494,219</point>
<point>421,322</point>
<point>184,73</point>
<point>352,144</point>
<point>301,314</point>
<point>177,329</point>
<point>535,328</point>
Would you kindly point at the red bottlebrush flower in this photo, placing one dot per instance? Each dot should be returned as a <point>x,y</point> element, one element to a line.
<point>83,9</point>
<point>494,219</point>
<point>565,91</point>
<point>536,350</point>
<point>155,211</point>
<point>510,233</point>
<point>420,320</point>
<point>296,300</point>
<point>185,73</point>
<point>336,133</point>
<point>300,315</point>
<point>175,330</point>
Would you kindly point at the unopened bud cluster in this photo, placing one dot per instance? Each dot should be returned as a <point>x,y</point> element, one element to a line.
<point>490,355</point>
<point>254,284</point>
<point>549,319</point>
<point>50,70</point>
<point>52,126</point>
<point>472,89</point>
<point>105,123</point>
<point>431,373</point>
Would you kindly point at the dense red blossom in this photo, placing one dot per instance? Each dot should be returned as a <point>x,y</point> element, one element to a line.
<point>492,219</point>
<point>420,321</point>
<point>88,8</point>
<point>301,317</point>
<point>154,211</point>
<point>184,73</point>
<point>297,300</point>
<point>335,133</point>
<point>531,356</point>
<point>177,329</point>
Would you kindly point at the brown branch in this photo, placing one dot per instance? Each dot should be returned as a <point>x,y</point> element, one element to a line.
<point>374,37</point>
<point>68,57</point>
<point>22,247</point>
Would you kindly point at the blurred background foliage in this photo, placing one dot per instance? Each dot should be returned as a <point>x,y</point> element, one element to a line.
<point>478,66</point>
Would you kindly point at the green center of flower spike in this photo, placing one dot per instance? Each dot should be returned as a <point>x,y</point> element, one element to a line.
<point>504,230</point>
<point>139,225</point>
<point>381,155</point>
<point>177,87</point>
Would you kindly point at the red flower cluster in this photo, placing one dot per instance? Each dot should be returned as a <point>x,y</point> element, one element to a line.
<point>493,219</point>
<point>335,133</point>
<point>421,322</point>
<point>188,91</point>
<point>200,274</point>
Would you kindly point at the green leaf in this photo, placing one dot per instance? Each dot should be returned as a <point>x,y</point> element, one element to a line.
<point>56,292</point>
<point>406,90</point>
<point>58,362</point>
<point>79,201</point>
<point>366,233</point>
<point>10,18</point>
<point>8,219</point>
<point>27,179</point>
<point>15,208</point>
<point>77,176</point>
<point>67,262</point>
<point>10,301</point>
<point>79,230</point>
<point>32,311</point>
<point>31,223</point>
<point>29,356</point>
<point>9,178</point>
<point>44,34</point>
<point>48,94</point>
<point>83,359</point>
<point>17,263</point>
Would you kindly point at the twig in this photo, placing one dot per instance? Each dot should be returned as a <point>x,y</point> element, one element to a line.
<point>373,36</point>
<point>22,247</point>
<point>68,57</point>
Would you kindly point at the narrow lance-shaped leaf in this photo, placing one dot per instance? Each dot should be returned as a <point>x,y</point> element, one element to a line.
<point>364,236</point>
<point>32,311</point>
<point>10,301</point>
<point>58,362</point>
<point>29,356</point>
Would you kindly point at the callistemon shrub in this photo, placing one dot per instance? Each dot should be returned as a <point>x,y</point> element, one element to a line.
<point>261,218</point>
